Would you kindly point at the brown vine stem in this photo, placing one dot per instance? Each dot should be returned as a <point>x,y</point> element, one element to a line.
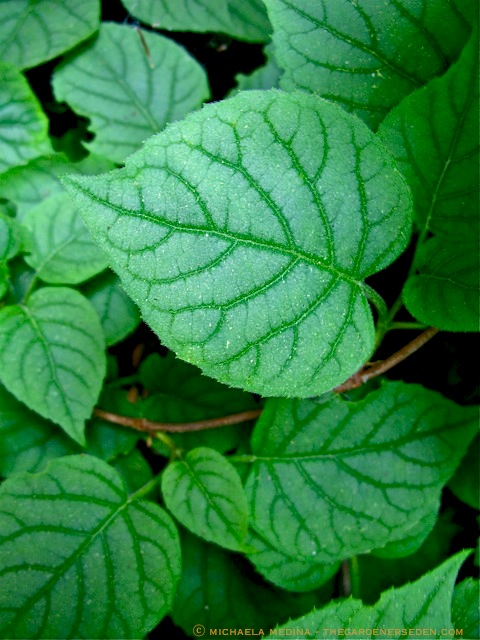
<point>372,371</point>
<point>142,424</point>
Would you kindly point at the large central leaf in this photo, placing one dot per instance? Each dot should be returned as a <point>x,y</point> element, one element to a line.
<point>244,233</point>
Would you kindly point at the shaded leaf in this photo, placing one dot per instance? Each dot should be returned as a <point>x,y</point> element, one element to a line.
<point>204,492</point>
<point>11,238</point>
<point>331,480</point>
<point>135,471</point>
<point>23,125</point>
<point>80,558</point>
<point>52,356</point>
<point>118,315</point>
<point>265,77</point>
<point>464,483</point>
<point>62,250</point>
<point>203,227</point>
<point>465,611</point>
<point>242,19</point>
<point>367,55</point>
<point>130,84</point>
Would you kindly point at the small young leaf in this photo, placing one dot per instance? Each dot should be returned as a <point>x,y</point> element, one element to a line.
<point>242,19</point>
<point>338,478</point>
<point>36,181</point>
<point>244,233</point>
<point>23,125</point>
<point>367,55</point>
<point>288,572</point>
<point>135,471</point>
<point>424,604</point>
<point>62,250</point>
<point>118,315</point>
<point>465,611</point>
<point>205,494</point>
<point>80,558</point>
<point>28,441</point>
<point>33,32</point>
<point>130,83</point>
<point>52,356</point>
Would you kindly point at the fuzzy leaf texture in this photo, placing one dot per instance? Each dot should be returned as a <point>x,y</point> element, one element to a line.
<point>242,19</point>
<point>80,558</point>
<point>334,479</point>
<point>204,492</point>
<point>424,604</point>
<point>244,234</point>
<point>434,136</point>
<point>23,125</point>
<point>129,83</point>
<point>52,356</point>
<point>33,32</point>
<point>367,54</point>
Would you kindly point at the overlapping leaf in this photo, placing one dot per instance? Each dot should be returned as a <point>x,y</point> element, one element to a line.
<point>204,492</point>
<point>334,479</point>
<point>23,125</point>
<point>244,233</point>
<point>62,250</point>
<point>242,19</point>
<point>367,55</point>
<point>10,237</point>
<point>118,314</point>
<point>33,32</point>
<point>424,604</point>
<point>465,611</point>
<point>52,356</point>
<point>464,483</point>
<point>130,83</point>
<point>79,558</point>
<point>28,185</point>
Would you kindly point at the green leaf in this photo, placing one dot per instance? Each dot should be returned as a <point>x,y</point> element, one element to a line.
<point>180,393</point>
<point>33,32</point>
<point>130,83</point>
<point>118,315</point>
<point>244,234</point>
<point>204,492</point>
<point>23,125</point>
<point>265,77</point>
<point>433,135</point>
<point>52,356</point>
<point>367,55</point>
<point>4,279</point>
<point>333,479</point>
<point>445,291</point>
<point>62,250</point>
<point>464,483</point>
<point>242,19</point>
<point>465,612</point>
<point>424,604</point>
<point>28,441</point>
<point>217,591</point>
<point>286,571</point>
<point>29,185</point>
<point>11,238</point>
<point>135,471</point>
<point>80,558</point>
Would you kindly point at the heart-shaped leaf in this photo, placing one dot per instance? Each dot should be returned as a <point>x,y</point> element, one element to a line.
<point>244,233</point>
<point>52,356</point>
<point>80,558</point>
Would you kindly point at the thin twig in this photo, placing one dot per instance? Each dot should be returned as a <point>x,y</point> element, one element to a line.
<point>142,424</point>
<point>372,371</point>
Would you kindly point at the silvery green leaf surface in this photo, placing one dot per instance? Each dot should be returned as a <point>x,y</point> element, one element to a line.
<point>204,492</point>
<point>242,19</point>
<point>28,185</point>
<point>424,604</point>
<point>62,250</point>
<point>333,479</point>
<point>52,356</point>
<point>367,54</point>
<point>23,124</point>
<point>118,315</point>
<point>33,32</point>
<point>130,83</point>
<point>81,558</point>
<point>244,234</point>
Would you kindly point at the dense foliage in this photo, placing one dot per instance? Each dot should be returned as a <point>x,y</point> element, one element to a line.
<point>220,409</point>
